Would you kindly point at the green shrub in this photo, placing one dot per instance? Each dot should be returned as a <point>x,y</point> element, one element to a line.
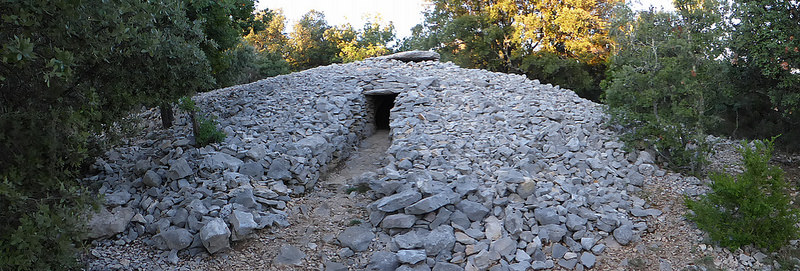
<point>751,208</point>
<point>207,132</point>
<point>205,129</point>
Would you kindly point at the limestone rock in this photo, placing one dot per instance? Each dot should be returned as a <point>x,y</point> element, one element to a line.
<point>413,56</point>
<point>215,236</point>
<point>107,224</point>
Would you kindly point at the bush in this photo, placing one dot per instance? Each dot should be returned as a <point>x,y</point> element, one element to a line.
<point>751,208</point>
<point>207,132</point>
<point>204,129</point>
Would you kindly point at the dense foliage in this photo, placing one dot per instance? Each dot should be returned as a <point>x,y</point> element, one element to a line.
<point>542,39</point>
<point>661,81</point>
<point>765,63</point>
<point>751,208</point>
<point>69,69</point>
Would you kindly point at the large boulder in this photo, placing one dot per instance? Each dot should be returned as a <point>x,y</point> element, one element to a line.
<point>413,56</point>
<point>174,239</point>
<point>215,236</point>
<point>243,224</point>
<point>107,224</point>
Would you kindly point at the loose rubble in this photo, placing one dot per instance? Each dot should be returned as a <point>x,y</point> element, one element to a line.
<point>486,171</point>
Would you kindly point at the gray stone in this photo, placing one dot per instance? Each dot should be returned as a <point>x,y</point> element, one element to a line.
<point>334,266</point>
<point>624,234</point>
<point>568,264</point>
<point>383,261</point>
<point>599,248</point>
<point>398,201</point>
<point>546,216</point>
<point>176,239</point>
<point>493,228</point>
<point>540,265</point>
<point>244,196</point>
<point>522,256</point>
<point>411,256</point>
<point>505,246</point>
<point>179,169</point>
<point>587,243</point>
<point>431,203</point>
<point>664,265</point>
<point>513,223</point>
<point>574,144</point>
<point>409,240</point>
<point>215,236</point>
<point>279,170</point>
<point>442,266</point>
<point>151,179</point>
<point>647,169</point>
<point>554,232</point>
<point>242,223</point>
<point>635,178</point>
<point>356,238</point>
<point>173,256</point>
<point>474,211</point>
<point>510,176</point>
<point>575,223</point>
<point>414,267</point>
<point>439,240</point>
<point>107,224</point>
<point>118,198</point>
<point>398,221</point>
<point>221,161</point>
<point>253,169</point>
<point>588,259</point>
<point>525,189</point>
<point>559,250</point>
<point>289,255</point>
<point>413,56</point>
<point>315,143</point>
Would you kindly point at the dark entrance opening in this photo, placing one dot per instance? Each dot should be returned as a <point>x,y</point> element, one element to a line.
<point>382,106</point>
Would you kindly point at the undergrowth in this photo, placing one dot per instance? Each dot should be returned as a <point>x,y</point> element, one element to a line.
<point>751,208</point>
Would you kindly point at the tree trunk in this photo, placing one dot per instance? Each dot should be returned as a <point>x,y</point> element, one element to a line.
<point>166,115</point>
<point>193,116</point>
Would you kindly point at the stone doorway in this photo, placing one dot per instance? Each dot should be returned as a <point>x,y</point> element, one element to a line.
<point>381,106</point>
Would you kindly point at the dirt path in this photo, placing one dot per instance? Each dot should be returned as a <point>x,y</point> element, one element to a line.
<point>316,219</point>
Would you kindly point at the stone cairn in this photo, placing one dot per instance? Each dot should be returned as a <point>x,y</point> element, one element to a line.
<point>485,170</point>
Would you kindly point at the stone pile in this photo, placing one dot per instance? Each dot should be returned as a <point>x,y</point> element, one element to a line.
<point>486,170</point>
<point>491,170</point>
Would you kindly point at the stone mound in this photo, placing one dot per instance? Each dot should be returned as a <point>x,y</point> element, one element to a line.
<point>485,169</point>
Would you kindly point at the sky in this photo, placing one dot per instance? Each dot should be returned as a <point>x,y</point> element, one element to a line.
<point>405,14</point>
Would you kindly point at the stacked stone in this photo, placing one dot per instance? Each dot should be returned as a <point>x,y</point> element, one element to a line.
<point>486,170</point>
<point>282,133</point>
<point>491,170</point>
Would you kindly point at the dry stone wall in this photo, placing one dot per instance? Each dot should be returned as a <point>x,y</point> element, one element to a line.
<point>486,170</point>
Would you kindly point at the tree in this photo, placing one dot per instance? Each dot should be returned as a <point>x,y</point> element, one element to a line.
<point>570,28</point>
<point>272,38</point>
<point>270,44</point>
<point>764,49</point>
<point>69,70</point>
<point>309,48</point>
<point>354,45</point>
<point>663,79</point>
<point>522,36</point>
<point>224,22</point>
